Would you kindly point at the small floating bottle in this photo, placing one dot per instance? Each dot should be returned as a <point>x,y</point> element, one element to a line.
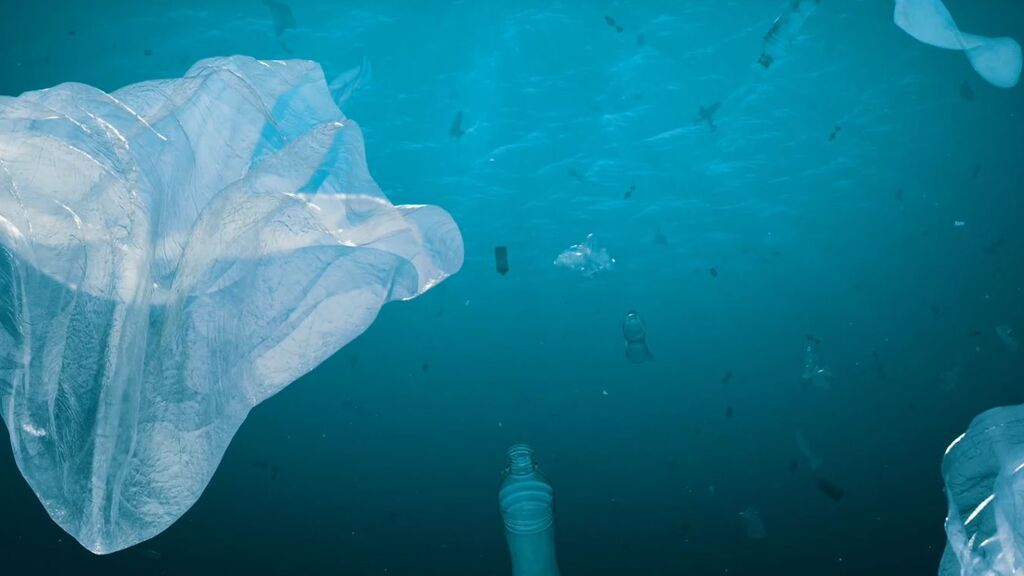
<point>526,501</point>
<point>635,334</point>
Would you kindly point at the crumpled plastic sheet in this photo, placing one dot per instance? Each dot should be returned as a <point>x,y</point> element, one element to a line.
<point>997,60</point>
<point>588,257</point>
<point>982,471</point>
<point>171,255</point>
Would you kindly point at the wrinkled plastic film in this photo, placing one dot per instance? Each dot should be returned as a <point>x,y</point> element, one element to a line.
<point>172,254</point>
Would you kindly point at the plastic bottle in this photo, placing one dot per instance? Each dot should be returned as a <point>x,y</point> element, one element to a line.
<point>526,500</point>
<point>635,333</point>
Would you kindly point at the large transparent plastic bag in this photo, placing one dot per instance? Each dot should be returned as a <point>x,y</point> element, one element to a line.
<point>171,255</point>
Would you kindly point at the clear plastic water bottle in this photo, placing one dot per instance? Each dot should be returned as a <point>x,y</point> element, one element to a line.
<point>635,333</point>
<point>526,501</point>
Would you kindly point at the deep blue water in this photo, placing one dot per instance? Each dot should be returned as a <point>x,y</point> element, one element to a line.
<point>386,459</point>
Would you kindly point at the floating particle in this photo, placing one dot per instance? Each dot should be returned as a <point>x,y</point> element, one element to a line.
<point>713,271</point>
<point>835,132</point>
<point>660,238</point>
<point>830,489</point>
<point>754,525</point>
<point>966,92</point>
<point>727,378</point>
<point>611,22</point>
<point>706,115</point>
<point>879,367</point>
<point>501,259</point>
<point>785,29</point>
<point>814,372</point>
<point>728,411</point>
<point>1007,337</point>
<point>456,131</point>
<point>282,15</point>
<point>575,175</point>
<point>147,52</point>
<point>813,460</point>
<point>994,246</point>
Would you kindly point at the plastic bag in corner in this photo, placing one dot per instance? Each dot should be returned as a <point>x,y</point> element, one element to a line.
<point>982,472</point>
<point>172,254</point>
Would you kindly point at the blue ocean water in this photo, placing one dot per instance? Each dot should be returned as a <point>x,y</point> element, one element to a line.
<point>893,248</point>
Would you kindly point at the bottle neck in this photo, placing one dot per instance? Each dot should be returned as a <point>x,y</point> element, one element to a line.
<point>525,497</point>
<point>520,460</point>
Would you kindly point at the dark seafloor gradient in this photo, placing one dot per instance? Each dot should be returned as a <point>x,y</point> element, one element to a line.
<point>386,459</point>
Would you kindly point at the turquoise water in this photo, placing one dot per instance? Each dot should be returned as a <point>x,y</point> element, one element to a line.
<point>387,458</point>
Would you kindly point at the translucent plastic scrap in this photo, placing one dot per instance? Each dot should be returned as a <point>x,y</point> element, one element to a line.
<point>785,29</point>
<point>1008,338</point>
<point>587,257</point>
<point>997,60</point>
<point>349,81</point>
<point>812,460</point>
<point>171,255</point>
<point>830,489</point>
<point>814,372</point>
<point>949,565</point>
<point>753,524</point>
<point>283,17</point>
<point>985,490</point>
<point>706,115</point>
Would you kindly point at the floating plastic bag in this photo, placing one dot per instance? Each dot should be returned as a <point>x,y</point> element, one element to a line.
<point>982,471</point>
<point>997,60</point>
<point>171,255</point>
